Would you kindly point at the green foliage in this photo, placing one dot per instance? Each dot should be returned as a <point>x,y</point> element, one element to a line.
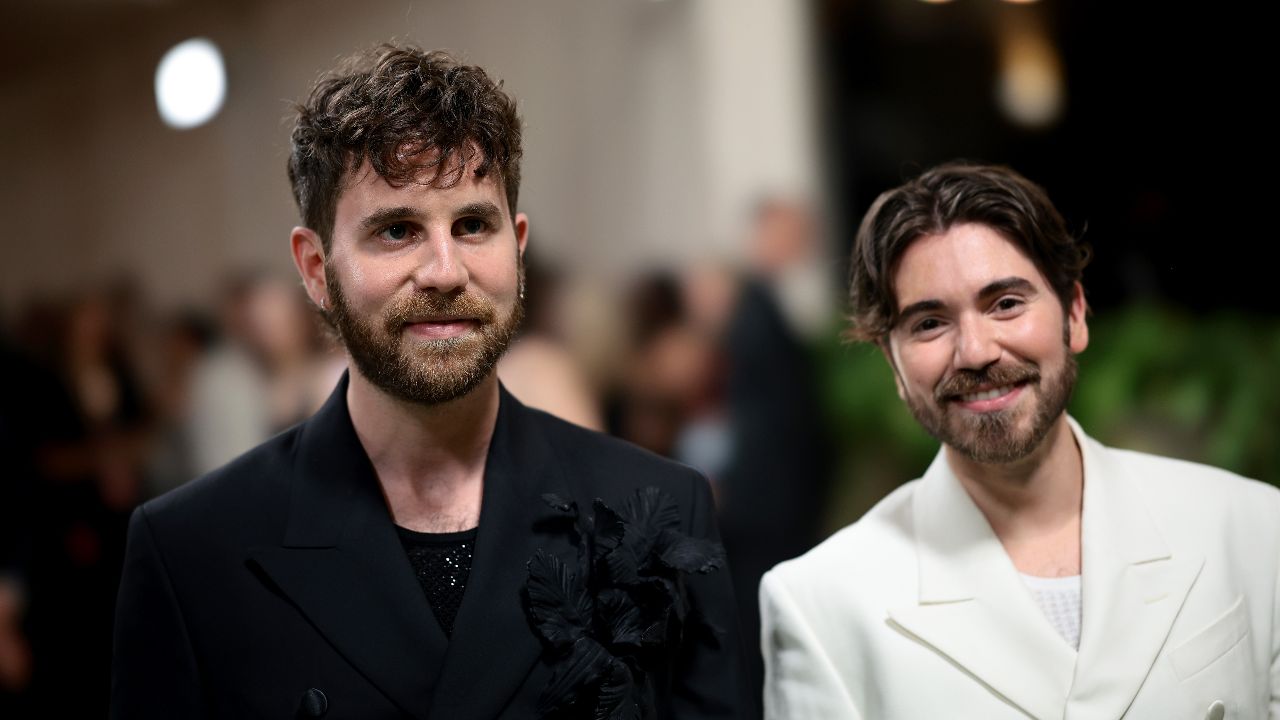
<point>1198,388</point>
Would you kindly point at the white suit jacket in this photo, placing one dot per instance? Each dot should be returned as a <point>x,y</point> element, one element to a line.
<point>916,611</point>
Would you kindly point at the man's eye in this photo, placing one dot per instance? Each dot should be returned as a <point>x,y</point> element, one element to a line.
<point>397,232</point>
<point>1007,303</point>
<point>926,325</point>
<point>470,226</point>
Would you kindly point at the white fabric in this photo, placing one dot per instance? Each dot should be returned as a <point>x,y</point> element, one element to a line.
<point>916,611</point>
<point>1059,600</point>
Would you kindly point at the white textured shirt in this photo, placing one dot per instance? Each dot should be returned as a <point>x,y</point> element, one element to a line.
<point>1059,600</point>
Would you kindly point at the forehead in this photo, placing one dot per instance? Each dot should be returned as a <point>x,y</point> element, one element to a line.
<point>956,264</point>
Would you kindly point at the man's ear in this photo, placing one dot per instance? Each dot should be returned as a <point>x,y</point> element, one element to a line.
<point>887,350</point>
<point>521,224</point>
<point>1077,324</point>
<point>309,257</point>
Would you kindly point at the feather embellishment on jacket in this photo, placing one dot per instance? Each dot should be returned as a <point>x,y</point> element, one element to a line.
<point>623,611</point>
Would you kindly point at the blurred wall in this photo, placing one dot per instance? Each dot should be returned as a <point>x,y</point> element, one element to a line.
<point>651,126</point>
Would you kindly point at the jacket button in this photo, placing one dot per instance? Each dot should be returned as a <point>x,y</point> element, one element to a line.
<point>1216,711</point>
<point>313,704</point>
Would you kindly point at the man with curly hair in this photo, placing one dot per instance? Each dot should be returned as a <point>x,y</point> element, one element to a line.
<point>1031,572</point>
<point>425,545</point>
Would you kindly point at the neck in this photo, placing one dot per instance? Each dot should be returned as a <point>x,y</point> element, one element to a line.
<point>1033,504</point>
<point>429,459</point>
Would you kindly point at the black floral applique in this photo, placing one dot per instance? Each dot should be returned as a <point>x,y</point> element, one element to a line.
<point>624,611</point>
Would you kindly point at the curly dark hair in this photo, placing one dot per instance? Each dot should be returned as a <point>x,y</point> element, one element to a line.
<point>944,196</point>
<point>405,111</point>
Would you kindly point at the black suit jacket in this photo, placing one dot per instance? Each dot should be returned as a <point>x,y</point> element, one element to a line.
<point>282,573</point>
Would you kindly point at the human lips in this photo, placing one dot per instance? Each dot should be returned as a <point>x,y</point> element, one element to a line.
<point>993,388</point>
<point>433,316</point>
<point>990,400</point>
<point>442,328</point>
<point>991,394</point>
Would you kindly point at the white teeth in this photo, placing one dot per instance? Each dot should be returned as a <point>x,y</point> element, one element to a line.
<point>991,394</point>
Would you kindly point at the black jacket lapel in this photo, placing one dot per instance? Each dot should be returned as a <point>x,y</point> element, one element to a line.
<point>343,566</point>
<point>493,648</point>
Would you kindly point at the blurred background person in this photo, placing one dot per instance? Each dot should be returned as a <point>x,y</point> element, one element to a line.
<point>88,433</point>
<point>16,486</point>
<point>183,341</point>
<point>229,410</point>
<point>272,367</point>
<point>775,483</point>
<point>668,377</point>
<point>540,368</point>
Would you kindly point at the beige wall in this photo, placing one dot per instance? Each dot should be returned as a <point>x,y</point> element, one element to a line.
<point>650,127</point>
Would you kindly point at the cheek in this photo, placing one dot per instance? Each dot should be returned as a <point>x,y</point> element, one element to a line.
<point>1039,339</point>
<point>356,276</point>
<point>367,286</point>
<point>495,271</point>
<point>922,368</point>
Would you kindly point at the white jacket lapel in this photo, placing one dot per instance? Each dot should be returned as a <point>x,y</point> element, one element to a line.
<point>1133,588</point>
<point>974,609</point>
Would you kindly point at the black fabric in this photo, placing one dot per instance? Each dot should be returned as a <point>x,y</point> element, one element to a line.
<point>442,562</point>
<point>776,481</point>
<point>282,572</point>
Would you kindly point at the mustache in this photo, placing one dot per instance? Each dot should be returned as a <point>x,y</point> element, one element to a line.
<point>429,304</point>
<point>968,381</point>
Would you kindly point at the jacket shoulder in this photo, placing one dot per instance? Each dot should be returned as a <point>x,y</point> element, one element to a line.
<point>249,491</point>
<point>606,462</point>
<point>878,547</point>
<point>1183,473</point>
<point>1191,494</point>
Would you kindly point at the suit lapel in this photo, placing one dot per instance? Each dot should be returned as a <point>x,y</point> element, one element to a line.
<point>343,566</point>
<point>1133,588</point>
<point>974,609</point>
<point>493,648</point>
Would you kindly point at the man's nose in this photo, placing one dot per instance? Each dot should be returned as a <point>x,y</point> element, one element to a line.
<point>977,344</point>
<point>440,264</point>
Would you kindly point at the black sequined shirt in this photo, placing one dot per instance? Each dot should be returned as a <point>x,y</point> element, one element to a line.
<point>442,562</point>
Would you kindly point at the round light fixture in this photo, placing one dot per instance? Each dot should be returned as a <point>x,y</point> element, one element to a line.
<point>190,83</point>
<point>1030,89</point>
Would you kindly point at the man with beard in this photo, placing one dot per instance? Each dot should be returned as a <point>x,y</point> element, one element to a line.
<point>1031,572</point>
<point>425,546</point>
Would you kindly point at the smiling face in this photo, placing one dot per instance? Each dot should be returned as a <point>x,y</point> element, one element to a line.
<point>982,350</point>
<point>422,282</point>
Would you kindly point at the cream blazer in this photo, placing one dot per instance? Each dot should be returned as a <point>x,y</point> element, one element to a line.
<point>915,611</point>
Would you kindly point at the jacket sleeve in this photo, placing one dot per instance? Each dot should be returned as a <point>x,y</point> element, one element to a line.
<point>800,682</point>
<point>1274,713</point>
<point>710,680</point>
<point>154,671</point>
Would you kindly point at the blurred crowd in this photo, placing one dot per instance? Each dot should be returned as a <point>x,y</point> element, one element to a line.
<point>112,402</point>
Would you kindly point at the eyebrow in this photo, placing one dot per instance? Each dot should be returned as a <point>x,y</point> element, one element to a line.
<point>1004,285</point>
<point>996,287</point>
<point>384,216</point>
<point>484,210</point>
<point>918,308</point>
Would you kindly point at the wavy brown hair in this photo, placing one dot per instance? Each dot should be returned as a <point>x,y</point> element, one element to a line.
<point>407,112</point>
<point>948,195</point>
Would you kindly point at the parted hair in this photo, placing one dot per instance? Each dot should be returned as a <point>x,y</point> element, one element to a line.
<point>407,112</point>
<point>948,195</point>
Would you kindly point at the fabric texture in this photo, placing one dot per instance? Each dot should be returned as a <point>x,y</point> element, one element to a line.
<point>441,562</point>
<point>1059,600</point>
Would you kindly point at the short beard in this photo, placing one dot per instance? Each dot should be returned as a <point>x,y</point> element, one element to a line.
<point>431,371</point>
<point>991,438</point>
